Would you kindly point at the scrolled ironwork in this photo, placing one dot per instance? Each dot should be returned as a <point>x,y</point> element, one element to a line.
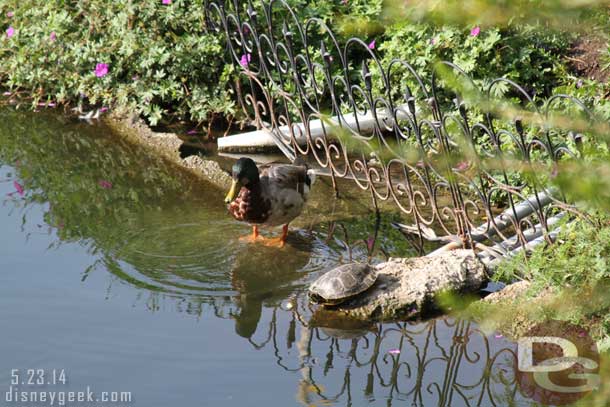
<point>293,74</point>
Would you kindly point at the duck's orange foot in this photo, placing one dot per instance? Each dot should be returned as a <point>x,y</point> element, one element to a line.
<point>251,238</point>
<point>278,241</point>
<point>275,242</point>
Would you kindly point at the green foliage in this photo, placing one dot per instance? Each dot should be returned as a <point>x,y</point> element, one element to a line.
<point>160,58</point>
<point>581,259</point>
<point>529,55</point>
<point>575,16</point>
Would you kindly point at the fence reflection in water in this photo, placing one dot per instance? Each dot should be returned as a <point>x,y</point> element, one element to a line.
<point>440,362</point>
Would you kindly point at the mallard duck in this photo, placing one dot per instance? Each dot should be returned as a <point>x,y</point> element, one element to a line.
<point>273,196</point>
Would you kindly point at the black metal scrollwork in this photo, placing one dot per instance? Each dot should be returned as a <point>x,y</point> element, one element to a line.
<point>295,75</point>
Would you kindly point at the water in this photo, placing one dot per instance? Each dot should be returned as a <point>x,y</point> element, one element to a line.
<point>131,278</point>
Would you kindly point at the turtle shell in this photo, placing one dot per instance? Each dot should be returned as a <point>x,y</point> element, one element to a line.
<point>342,282</point>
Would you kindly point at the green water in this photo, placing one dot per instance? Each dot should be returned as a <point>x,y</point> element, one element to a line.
<point>129,275</point>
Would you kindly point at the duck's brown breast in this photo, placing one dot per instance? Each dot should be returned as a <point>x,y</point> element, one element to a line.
<point>250,207</point>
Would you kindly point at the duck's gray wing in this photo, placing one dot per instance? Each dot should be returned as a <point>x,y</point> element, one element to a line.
<point>287,176</point>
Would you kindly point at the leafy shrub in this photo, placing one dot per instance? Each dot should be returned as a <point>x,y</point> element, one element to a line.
<point>582,259</point>
<point>158,56</point>
<point>530,56</point>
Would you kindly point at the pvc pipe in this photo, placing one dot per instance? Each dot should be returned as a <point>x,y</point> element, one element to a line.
<point>264,140</point>
<point>502,249</point>
<point>507,218</point>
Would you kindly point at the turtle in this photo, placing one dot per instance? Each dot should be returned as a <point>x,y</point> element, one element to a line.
<point>342,283</point>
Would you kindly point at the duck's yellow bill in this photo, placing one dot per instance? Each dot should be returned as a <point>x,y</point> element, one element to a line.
<point>232,192</point>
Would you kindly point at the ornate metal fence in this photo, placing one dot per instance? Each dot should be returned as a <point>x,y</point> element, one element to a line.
<point>444,160</point>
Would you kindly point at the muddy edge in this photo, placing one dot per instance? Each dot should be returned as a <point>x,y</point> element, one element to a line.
<point>166,145</point>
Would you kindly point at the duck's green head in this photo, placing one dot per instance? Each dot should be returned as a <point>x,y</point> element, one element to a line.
<point>245,172</point>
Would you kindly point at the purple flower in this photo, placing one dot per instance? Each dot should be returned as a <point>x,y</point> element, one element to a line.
<point>498,335</point>
<point>167,2</point>
<point>394,351</point>
<point>18,187</point>
<point>191,132</point>
<point>52,36</point>
<point>475,31</point>
<point>105,184</point>
<point>372,44</point>
<point>103,109</point>
<point>433,41</point>
<point>10,14</point>
<point>10,31</point>
<point>245,59</point>
<point>101,70</point>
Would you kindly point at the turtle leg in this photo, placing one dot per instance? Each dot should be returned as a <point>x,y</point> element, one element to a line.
<point>278,241</point>
<point>251,238</point>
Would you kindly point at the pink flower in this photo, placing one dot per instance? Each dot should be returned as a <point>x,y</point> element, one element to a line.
<point>372,45</point>
<point>10,31</point>
<point>462,166</point>
<point>10,14</point>
<point>475,31</point>
<point>103,109</point>
<point>370,243</point>
<point>7,93</point>
<point>498,335</point>
<point>105,184</point>
<point>18,187</point>
<point>191,132</point>
<point>394,351</point>
<point>344,2</point>
<point>101,70</point>
<point>245,59</point>
<point>433,41</point>
<point>52,36</point>
<point>167,2</point>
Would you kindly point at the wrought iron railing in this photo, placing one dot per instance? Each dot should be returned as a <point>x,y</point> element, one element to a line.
<point>442,159</point>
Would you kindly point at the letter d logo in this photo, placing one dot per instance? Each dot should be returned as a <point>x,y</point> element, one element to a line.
<point>557,363</point>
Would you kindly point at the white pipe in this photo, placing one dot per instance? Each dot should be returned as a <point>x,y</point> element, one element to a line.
<point>502,249</point>
<point>506,218</point>
<point>263,139</point>
<point>552,236</point>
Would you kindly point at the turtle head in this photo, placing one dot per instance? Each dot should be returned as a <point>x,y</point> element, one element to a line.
<point>316,298</point>
<point>244,172</point>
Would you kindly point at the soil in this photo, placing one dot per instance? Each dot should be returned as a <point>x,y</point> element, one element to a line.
<point>586,58</point>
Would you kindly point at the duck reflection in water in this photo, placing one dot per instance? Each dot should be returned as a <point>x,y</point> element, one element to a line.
<point>264,275</point>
